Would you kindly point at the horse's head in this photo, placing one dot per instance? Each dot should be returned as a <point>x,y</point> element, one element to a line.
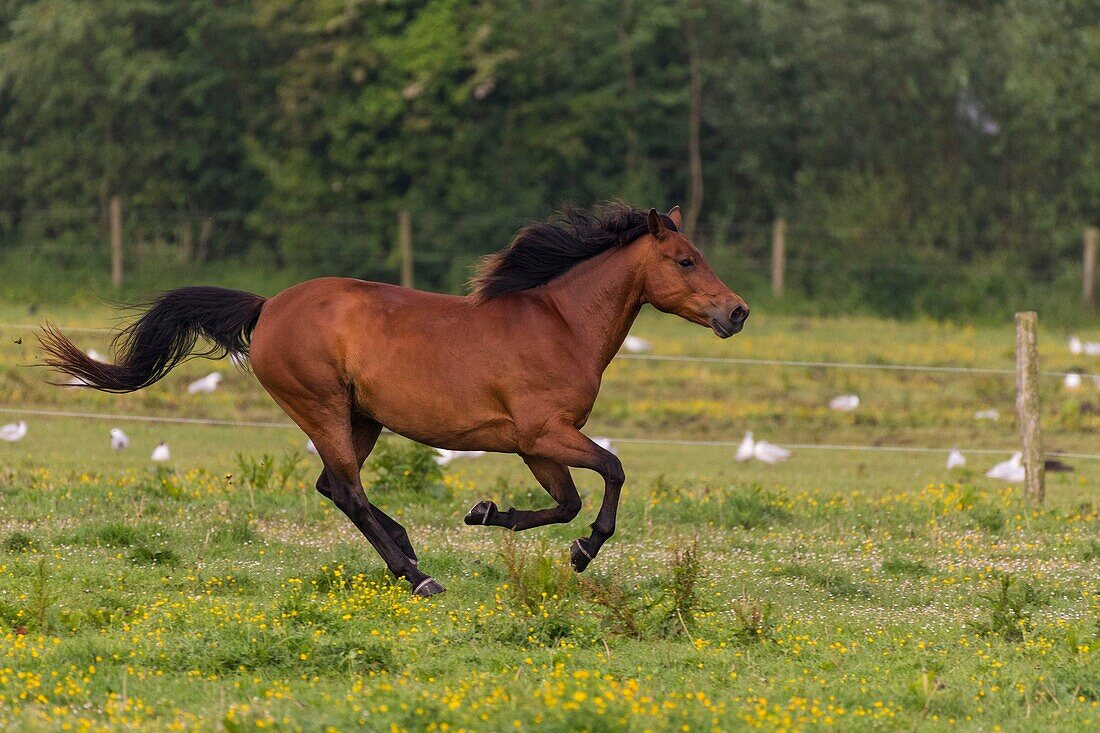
<point>678,280</point>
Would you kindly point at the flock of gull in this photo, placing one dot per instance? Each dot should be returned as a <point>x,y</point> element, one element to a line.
<point>750,448</point>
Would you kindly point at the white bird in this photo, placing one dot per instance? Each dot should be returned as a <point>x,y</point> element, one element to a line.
<point>1072,381</point>
<point>239,360</point>
<point>119,439</point>
<point>1088,348</point>
<point>955,459</point>
<point>13,432</point>
<point>95,355</point>
<point>206,385</point>
<point>1010,470</point>
<point>987,415</point>
<point>605,443</point>
<point>637,345</point>
<point>311,448</point>
<point>768,453</point>
<point>844,403</point>
<point>744,451</point>
<point>161,453</point>
<point>446,456</point>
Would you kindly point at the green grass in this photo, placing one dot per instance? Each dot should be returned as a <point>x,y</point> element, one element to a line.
<point>861,591</point>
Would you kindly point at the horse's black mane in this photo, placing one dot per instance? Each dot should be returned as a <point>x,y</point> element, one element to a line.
<point>540,252</point>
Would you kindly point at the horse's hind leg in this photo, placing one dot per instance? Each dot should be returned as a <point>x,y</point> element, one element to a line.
<point>365,433</point>
<point>555,478</point>
<point>334,438</point>
<point>395,530</point>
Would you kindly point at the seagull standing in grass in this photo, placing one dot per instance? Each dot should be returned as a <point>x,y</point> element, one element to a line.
<point>1088,348</point>
<point>446,456</point>
<point>744,451</point>
<point>637,345</point>
<point>1010,470</point>
<point>844,403</point>
<point>761,450</point>
<point>768,453</point>
<point>161,453</point>
<point>605,443</point>
<point>13,432</point>
<point>119,439</point>
<point>955,459</point>
<point>1072,380</point>
<point>206,385</point>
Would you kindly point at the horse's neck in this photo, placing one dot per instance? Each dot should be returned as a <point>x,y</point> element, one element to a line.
<point>599,299</point>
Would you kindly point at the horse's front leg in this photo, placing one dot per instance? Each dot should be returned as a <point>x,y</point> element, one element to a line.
<point>555,478</point>
<point>568,446</point>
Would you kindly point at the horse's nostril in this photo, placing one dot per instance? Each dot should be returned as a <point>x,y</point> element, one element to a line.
<point>739,314</point>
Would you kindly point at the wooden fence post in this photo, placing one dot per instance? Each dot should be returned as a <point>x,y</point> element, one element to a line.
<point>1027,405</point>
<point>1088,281</point>
<point>405,246</point>
<point>779,255</point>
<point>115,214</point>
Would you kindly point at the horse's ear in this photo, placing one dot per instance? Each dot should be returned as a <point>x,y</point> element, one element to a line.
<point>656,225</point>
<point>677,219</point>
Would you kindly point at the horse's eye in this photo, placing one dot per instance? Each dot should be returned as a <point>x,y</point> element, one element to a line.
<point>687,263</point>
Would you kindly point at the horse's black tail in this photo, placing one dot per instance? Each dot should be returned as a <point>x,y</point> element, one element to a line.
<point>164,336</point>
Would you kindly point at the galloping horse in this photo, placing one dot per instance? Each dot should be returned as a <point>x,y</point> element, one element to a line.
<point>512,368</point>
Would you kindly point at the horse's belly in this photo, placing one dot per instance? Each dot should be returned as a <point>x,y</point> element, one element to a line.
<point>441,411</point>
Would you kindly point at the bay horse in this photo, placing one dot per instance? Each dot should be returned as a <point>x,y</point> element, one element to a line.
<point>514,367</point>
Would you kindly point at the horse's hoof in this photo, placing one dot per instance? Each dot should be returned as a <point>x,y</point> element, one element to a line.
<point>579,557</point>
<point>427,587</point>
<point>480,512</point>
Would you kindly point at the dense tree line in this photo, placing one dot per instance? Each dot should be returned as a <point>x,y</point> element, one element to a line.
<point>922,132</point>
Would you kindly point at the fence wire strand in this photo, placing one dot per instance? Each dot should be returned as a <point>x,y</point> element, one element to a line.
<point>622,440</point>
<point>728,360</point>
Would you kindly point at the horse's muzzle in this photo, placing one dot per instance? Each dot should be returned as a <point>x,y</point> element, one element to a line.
<point>731,323</point>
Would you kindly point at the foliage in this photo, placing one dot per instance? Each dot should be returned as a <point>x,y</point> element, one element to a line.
<point>267,472</point>
<point>937,159</point>
<point>407,468</point>
<point>668,613</point>
<point>1011,608</point>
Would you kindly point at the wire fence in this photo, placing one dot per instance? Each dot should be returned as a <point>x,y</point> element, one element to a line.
<point>731,361</point>
<point>625,440</point>
<point>34,410</point>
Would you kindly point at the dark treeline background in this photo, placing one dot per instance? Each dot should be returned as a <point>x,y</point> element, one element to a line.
<point>929,156</point>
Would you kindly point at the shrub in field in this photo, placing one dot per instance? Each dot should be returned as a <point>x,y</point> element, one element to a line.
<point>407,467</point>
<point>18,542</point>
<point>640,616</point>
<point>676,607</point>
<point>755,622</point>
<point>620,610</point>
<point>267,471</point>
<point>540,590</point>
<point>1010,608</point>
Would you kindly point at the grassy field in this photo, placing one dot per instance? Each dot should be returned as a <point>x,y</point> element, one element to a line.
<point>853,590</point>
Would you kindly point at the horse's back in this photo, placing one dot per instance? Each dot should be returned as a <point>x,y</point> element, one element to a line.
<point>415,361</point>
